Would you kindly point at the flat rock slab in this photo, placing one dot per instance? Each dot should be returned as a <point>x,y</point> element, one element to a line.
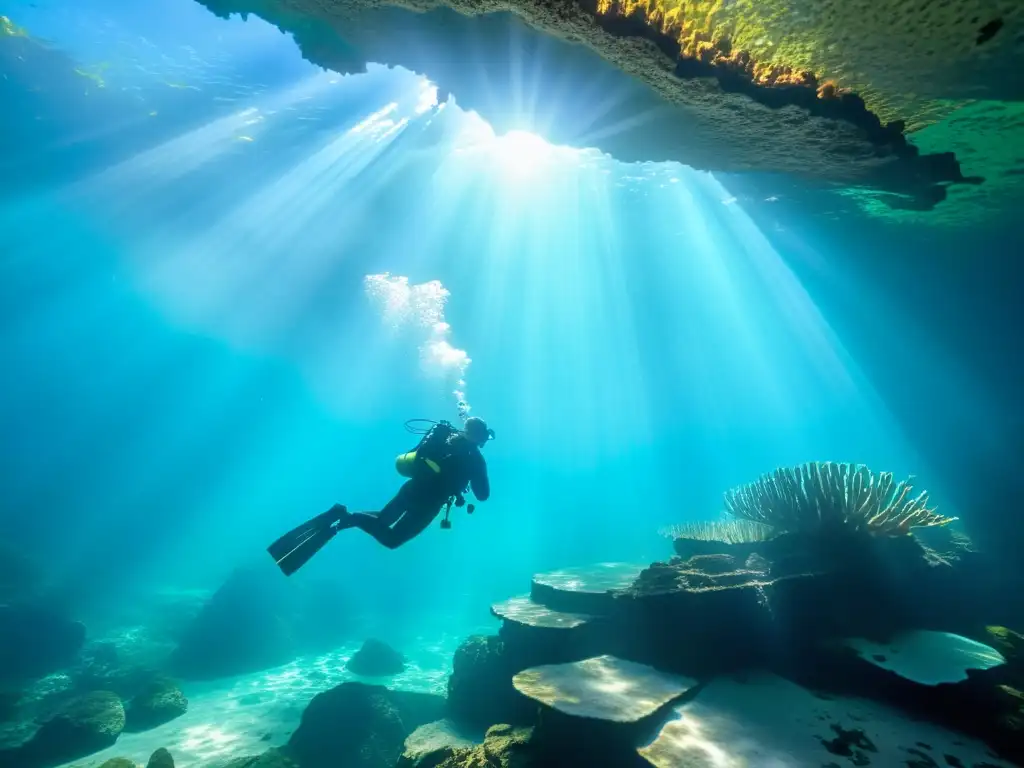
<point>587,590</point>
<point>525,612</point>
<point>926,657</point>
<point>768,722</point>
<point>434,737</point>
<point>602,688</point>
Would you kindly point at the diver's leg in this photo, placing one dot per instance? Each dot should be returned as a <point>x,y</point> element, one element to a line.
<point>374,521</point>
<point>410,525</point>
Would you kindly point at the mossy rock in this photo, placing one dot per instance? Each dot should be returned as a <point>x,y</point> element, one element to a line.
<point>1008,643</point>
<point>503,747</point>
<point>359,726</point>
<point>376,659</point>
<point>159,703</point>
<point>1012,701</point>
<point>84,725</point>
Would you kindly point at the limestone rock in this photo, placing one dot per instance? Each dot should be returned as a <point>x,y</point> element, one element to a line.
<point>1009,643</point>
<point>588,590</point>
<point>524,611</point>
<point>431,744</point>
<point>102,666</point>
<point>359,726</point>
<point>376,659</point>
<point>480,691</point>
<point>158,703</point>
<point>160,759</point>
<point>740,114</point>
<point>602,688</point>
<point>503,747</point>
<point>84,725</point>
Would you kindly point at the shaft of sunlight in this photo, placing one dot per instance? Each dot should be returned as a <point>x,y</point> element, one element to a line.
<point>184,154</point>
<point>838,377</point>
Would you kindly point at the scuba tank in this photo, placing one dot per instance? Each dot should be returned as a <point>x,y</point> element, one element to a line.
<point>424,459</point>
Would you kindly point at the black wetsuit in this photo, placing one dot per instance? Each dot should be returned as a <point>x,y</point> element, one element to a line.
<point>419,501</point>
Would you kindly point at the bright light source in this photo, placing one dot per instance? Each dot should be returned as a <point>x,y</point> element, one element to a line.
<point>428,98</point>
<point>516,154</point>
<point>522,153</point>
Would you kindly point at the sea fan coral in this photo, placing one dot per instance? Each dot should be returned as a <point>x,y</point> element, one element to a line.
<point>817,495</point>
<point>725,531</point>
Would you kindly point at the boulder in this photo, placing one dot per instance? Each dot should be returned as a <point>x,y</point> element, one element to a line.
<point>35,641</point>
<point>376,659</point>
<point>359,726</point>
<point>258,620</point>
<point>84,725</point>
<point>160,759</point>
<point>119,762</point>
<point>159,703</point>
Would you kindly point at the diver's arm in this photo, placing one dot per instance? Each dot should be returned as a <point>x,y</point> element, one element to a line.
<point>479,483</point>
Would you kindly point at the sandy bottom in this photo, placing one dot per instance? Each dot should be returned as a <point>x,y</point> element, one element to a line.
<point>768,722</point>
<point>247,715</point>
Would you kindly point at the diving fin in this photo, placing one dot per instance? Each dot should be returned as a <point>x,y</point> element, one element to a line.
<point>295,548</point>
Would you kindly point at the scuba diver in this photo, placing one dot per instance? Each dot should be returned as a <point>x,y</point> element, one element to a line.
<point>440,469</point>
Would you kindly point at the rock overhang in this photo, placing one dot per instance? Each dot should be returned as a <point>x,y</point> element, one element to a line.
<point>650,82</point>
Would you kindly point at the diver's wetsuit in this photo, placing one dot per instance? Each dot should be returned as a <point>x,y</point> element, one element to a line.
<point>419,501</point>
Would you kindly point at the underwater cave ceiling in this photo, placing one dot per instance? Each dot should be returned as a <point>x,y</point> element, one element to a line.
<point>822,90</point>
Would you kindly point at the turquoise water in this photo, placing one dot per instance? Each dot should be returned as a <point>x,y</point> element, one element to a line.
<point>197,366</point>
<point>193,363</point>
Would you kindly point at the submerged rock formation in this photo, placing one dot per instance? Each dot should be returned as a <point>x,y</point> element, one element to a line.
<point>480,691</point>
<point>729,87</point>
<point>786,603</point>
<point>359,726</point>
<point>158,703</point>
<point>593,712</point>
<point>430,744</point>
<point>84,725</point>
<point>376,659</point>
<point>160,759</point>
<point>503,747</point>
<point>257,620</point>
